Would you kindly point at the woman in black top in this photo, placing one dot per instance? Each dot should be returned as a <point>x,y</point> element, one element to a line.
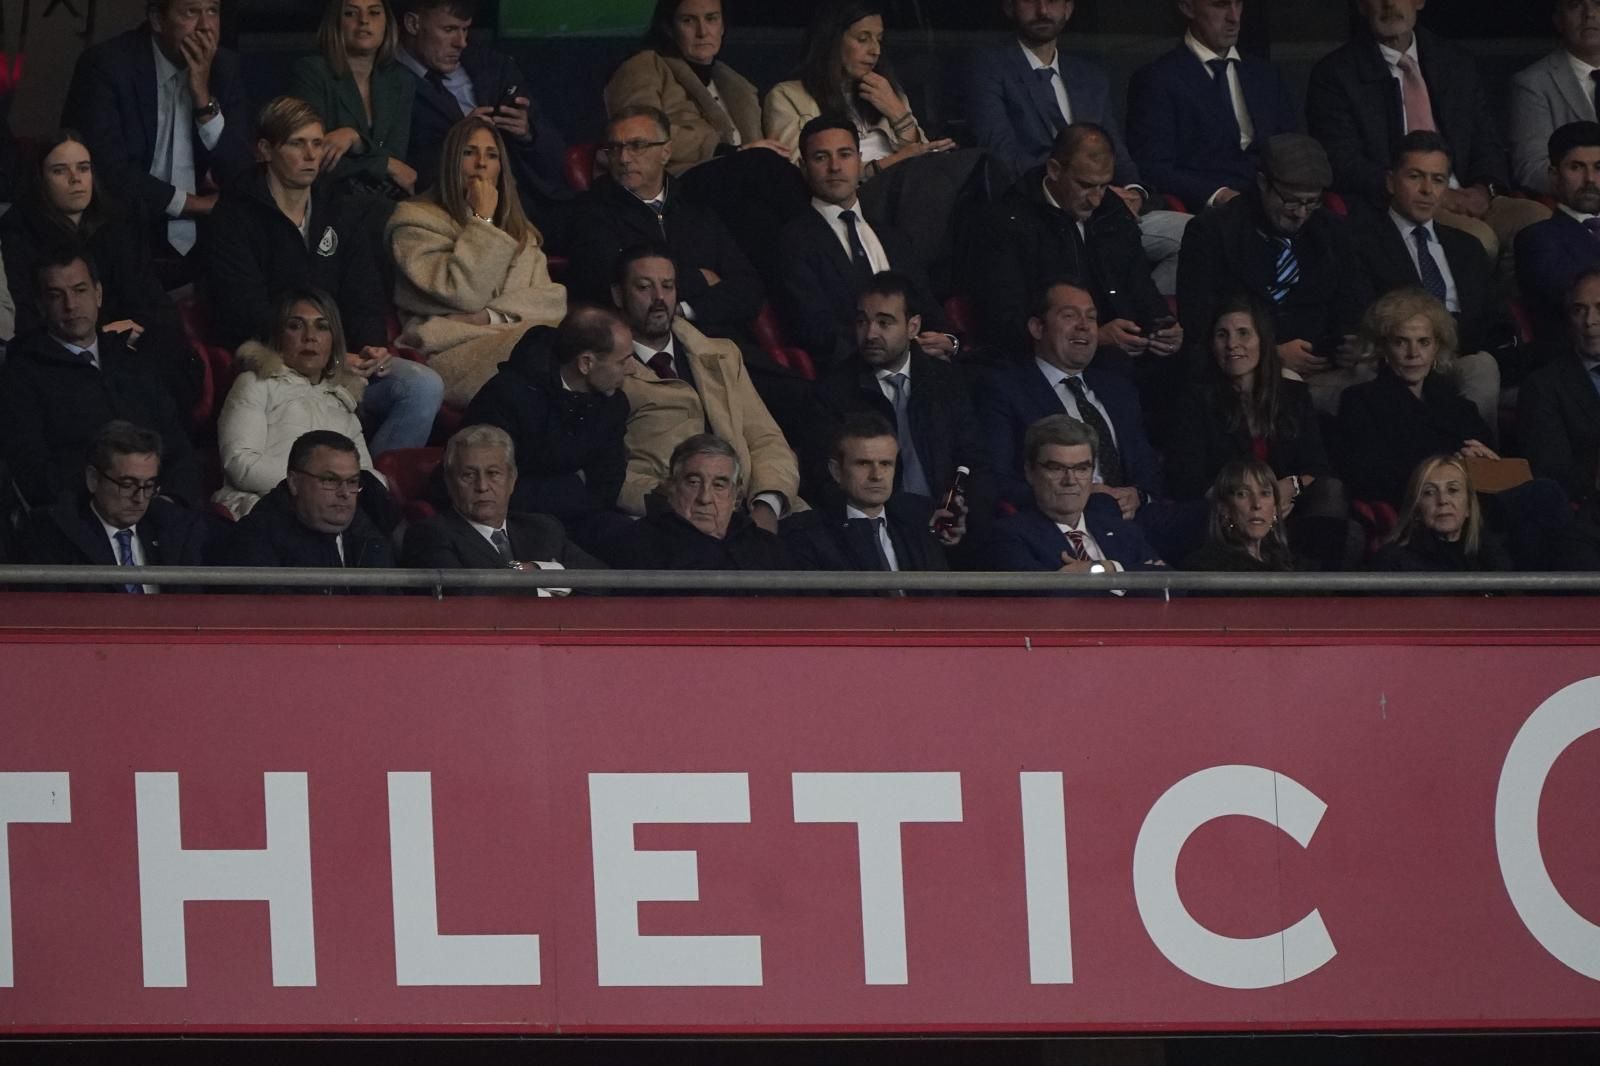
<point>1245,534</point>
<point>1441,524</point>
<point>1244,408</point>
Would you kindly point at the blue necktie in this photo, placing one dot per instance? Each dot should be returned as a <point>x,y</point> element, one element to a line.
<point>1047,78</point>
<point>912,478</point>
<point>1427,266</point>
<point>1219,78</point>
<point>125,557</point>
<point>1287,274</point>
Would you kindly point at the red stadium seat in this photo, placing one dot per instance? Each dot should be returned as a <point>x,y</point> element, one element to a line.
<point>409,470</point>
<point>1175,204</point>
<point>580,166</point>
<point>1335,203</point>
<point>1378,518</point>
<point>210,399</point>
<point>961,317</point>
<point>769,334</point>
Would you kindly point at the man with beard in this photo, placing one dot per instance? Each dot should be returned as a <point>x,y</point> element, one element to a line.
<point>1558,89</point>
<point>1552,253</point>
<point>679,384</point>
<point>1026,91</point>
<point>923,398</point>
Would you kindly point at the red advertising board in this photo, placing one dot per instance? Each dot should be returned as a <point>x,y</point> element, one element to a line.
<point>647,832</point>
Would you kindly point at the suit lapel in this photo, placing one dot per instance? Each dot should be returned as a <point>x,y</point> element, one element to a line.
<point>1036,384</point>
<point>1581,388</point>
<point>701,96</point>
<point>144,87</point>
<point>1579,97</point>
<point>1035,89</point>
<point>90,538</point>
<point>1399,256</point>
<point>477,551</point>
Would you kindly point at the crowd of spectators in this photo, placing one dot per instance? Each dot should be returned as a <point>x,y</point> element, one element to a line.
<point>803,330</point>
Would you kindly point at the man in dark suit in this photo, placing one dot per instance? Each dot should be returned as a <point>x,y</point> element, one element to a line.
<point>1396,78</point>
<point>1405,248</point>
<point>1059,221</point>
<point>636,203</point>
<point>118,519</point>
<point>479,531</point>
<point>1198,115</point>
<point>829,258</point>
<point>559,397</point>
<point>1060,380</point>
<point>1556,90</point>
<point>1552,253</point>
<point>1022,93</point>
<point>1276,244</point>
<point>924,400</point>
<point>1558,405</point>
<point>1056,529</point>
<point>703,527</point>
<point>61,384</point>
<point>313,517</point>
<point>162,108</point>
<point>454,80</point>
<point>872,527</point>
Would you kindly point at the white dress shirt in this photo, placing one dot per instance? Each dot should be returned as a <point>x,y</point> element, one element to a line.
<point>173,160</point>
<point>1452,298</point>
<point>1056,83</point>
<point>1585,75</point>
<point>92,351</point>
<point>851,511</point>
<point>1392,58</point>
<point>111,537</point>
<point>488,532</point>
<point>1241,113</point>
<point>869,240</point>
<point>1057,378</point>
<point>886,373</point>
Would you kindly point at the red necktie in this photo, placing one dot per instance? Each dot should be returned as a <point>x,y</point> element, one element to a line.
<point>661,363</point>
<point>1077,549</point>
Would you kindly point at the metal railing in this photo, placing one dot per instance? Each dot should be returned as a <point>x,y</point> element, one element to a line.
<point>508,581</point>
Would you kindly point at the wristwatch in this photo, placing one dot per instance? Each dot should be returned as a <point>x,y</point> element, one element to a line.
<point>212,108</point>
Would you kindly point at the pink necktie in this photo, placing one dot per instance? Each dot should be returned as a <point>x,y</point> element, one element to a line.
<point>1414,91</point>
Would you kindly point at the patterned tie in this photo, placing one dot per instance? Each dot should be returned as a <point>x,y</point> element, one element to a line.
<point>1110,459</point>
<point>1287,274</point>
<point>125,557</point>
<point>1076,547</point>
<point>661,363</point>
<point>912,479</point>
<point>858,251</point>
<point>502,544</point>
<point>1047,78</point>
<point>1427,266</point>
<point>1414,96</point>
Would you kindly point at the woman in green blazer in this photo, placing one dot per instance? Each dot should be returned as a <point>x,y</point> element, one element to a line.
<point>362,94</point>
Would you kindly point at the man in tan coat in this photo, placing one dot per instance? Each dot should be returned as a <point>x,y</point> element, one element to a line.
<point>682,383</point>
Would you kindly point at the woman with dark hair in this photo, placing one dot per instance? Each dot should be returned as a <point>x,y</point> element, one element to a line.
<point>845,72</point>
<point>60,204</point>
<point>363,96</point>
<point>472,275</point>
<point>1244,408</point>
<point>1441,524</point>
<point>1245,532</point>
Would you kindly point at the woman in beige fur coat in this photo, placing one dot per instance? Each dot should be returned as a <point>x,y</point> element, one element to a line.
<point>297,385</point>
<point>471,275</point>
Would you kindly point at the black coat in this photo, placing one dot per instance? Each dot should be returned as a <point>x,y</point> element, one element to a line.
<point>1353,106</point>
<point>68,534</point>
<point>1484,322</point>
<point>1025,242</point>
<point>1203,441</point>
<point>1384,431</point>
<point>944,427</point>
<point>253,253</point>
<point>571,453</point>
<point>112,102</point>
<point>822,539</point>
<point>272,535</point>
<point>663,541</point>
<point>447,541</point>
<point>1558,422</point>
<point>52,404</point>
<point>819,287</point>
<point>1215,556</point>
<point>609,219</point>
<point>1224,252</point>
<point>1426,553</point>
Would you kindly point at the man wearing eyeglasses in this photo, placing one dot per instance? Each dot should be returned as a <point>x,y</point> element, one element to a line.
<point>1278,245</point>
<point>120,518</point>
<point>313,518</point>
<point>635,202</point>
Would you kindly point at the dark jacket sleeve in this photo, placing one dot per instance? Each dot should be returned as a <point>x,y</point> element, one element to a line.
<point>237,294</point>
<point>1201,277</point>
<point>22,437</point>
<point>986,111</point>
<point>1334,116</point>
<point>1372,468</point>
<point>1189,458</point>
<point>596,243</point>
<point>428,548</point>
<point>808,318</point>
<point>363,303</point>
<point>999,420</point>
<point>99,83</point>
<point>1002,281</point>
<point>1544,437</point>
<point>1306,452</point>
<point>737,296</point>
<point>607,468</point>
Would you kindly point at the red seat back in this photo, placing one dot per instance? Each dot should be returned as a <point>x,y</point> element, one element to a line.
<point>580,166</point>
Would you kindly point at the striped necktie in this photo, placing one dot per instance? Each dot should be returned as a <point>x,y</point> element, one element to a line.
<point>1287,275</point>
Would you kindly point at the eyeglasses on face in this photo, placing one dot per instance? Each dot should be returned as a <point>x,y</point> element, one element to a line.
<point>131,486</point>
<point>1291,203</point>
<point>332,483</point>
<point>1058,470</point>
<point>630,147</point>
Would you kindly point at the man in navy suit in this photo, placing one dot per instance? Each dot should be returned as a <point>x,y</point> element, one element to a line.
<point>1550,254</point>
<point>1024,92</point>
<point>454,80</point>
<point>1395,78</point>
<point>162,109</point>
<point>871,527</point>
<point>1197,114</point>
<point>117,519</point>
<point>829,259</point>
<point>1559,404</point>
<point>1056,529</point>
<point>1060,380</point>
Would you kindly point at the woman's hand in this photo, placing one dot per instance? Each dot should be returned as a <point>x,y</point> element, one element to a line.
<point>403,175</point>
<point>914,149</point>
<point>335,144</point>
<point>875,89</point>
<point>482,197</point>
<point>370,362</point>
<point>1474,449</point>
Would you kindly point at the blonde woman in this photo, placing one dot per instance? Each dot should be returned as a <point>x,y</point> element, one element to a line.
<point>1441,524</point>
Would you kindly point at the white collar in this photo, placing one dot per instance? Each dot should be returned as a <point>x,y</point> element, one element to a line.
<point>1392,57</point>
<point>1079,528</point>
<point>831,212</point>
<point>487,532</point>
<point>885,373</point>
<point>1575,214</point>
<point>166,70</point>
<point>1206,55</point>
<point>1407,227</point>
<point>852,511</point>
<point>1033,60</point>
<point>92,349</point>
<point>644,353</point>
<point>111,530</point>
<point>1050,197</point>
<point>1055,375</point>
<point>1581,69</point>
